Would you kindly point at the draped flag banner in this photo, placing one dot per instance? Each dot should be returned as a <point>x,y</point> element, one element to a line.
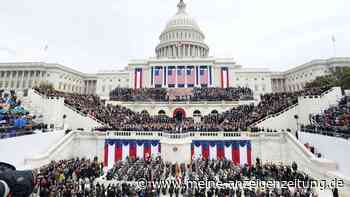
<point>158,76</point>
<point>203,72</point>
<point>138,78</point>
<point>171,75</point>
<point>224,78</point>
<point>181,76</point>
<point>238,151</point>
<point>116,150</point>
<point>191,76</point>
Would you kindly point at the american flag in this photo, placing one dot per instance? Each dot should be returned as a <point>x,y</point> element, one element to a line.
<point>138,78</point>
<point>203,75</point>
<point>191,75</point>
<point>158,76</point>
<point>224,78</point>
<point>171,75</point>
<point>181,75</point>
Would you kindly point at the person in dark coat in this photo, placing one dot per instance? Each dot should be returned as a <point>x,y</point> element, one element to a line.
<point>335,192</point>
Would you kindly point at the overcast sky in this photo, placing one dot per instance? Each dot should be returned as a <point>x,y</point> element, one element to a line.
<point>92,35</point>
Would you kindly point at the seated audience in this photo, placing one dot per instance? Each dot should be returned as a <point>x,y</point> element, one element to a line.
<point>14,119</point>
<point>195,94</point>
<point>333,121</point>
<point>78,177</point>
<point>239,118</point>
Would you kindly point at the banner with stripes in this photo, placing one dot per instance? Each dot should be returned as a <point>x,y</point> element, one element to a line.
<point>181,76</point>
<point>203,72</point>
<point>224,78</point>
<point>238,151</point>
<point>191,76</point>
<point>116,150</point>
<point>138,78</point>
<point>171,75</point>
<point>158,76</point>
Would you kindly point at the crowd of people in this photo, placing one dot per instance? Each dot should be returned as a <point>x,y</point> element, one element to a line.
<point>145,94</point>
<point>196,94</point>
<point>84,177</point>
<point>333,121</point>
<point>243,116</point>
<point>14,119</point>
<point>239,118</point>
<point>66,178</point>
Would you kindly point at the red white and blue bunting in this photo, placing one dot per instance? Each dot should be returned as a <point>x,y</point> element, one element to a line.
<point>238,151</point>
<point>116,150</point>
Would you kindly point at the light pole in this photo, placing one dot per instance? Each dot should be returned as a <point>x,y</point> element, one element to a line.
<point>64,120</point>
<point>296,117</point>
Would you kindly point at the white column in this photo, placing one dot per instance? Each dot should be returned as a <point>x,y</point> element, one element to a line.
<point>187,50</point>
<point>212,76</point>
<point>175,76</point>
<point>183,51</point>
<point>22,80</point>
<point>165,69</point>
<point>208,76</point>
<point>185,76</point>
<point>196,75</point>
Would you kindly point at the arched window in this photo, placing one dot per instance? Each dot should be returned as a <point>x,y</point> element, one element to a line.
<point>197,113</point>
<point>161,113</point>
<point>145,112</point>
<point>214,111</point>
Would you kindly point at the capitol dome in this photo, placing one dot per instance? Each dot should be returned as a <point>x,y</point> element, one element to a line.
<point>182,37</point>
<point>182,20</point>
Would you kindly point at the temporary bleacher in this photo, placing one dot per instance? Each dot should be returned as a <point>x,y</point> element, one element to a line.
<point>53,110</point>
<point>286,119</point>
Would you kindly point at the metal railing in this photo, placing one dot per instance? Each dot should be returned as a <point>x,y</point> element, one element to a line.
<point>214,134</point>
<point>176,102</point>
<point>326,132</point>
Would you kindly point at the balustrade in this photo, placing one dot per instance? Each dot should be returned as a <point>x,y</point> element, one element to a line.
<point>191,135</point>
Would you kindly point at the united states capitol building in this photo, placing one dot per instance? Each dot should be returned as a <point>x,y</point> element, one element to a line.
<point>181,61</point>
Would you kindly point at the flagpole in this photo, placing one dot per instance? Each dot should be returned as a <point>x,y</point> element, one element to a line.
<point>334,46</point>
<point>46,47</point>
